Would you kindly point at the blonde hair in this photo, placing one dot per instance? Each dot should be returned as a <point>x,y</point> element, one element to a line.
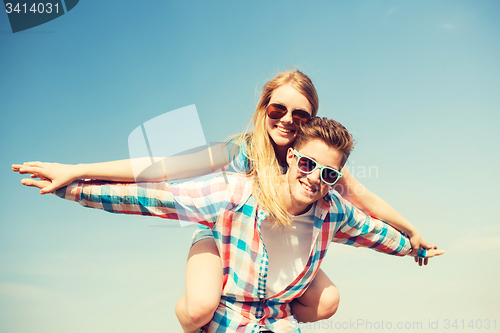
<point>263,165</point>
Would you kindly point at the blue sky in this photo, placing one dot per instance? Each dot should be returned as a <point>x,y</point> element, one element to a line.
<point>416,82</point>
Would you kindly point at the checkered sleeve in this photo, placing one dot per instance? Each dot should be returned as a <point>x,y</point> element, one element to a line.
<point>189,201</point>
<point>360,230</point>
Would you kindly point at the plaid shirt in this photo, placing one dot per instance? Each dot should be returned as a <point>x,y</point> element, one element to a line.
<point>226,205</point>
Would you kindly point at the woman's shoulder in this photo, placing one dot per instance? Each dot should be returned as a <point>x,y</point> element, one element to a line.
<point>238,152</point>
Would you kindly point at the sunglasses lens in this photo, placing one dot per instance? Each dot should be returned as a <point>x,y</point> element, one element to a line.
<point>300,116</point>
<point>306,165</point>
<point>329,175</point>
<point>276,111</point>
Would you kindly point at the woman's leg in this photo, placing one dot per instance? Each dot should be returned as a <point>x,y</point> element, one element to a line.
<point>203,286</point>
<point>320,301</point>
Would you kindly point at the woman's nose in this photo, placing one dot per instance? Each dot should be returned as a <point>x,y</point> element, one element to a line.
<point>287,118</point>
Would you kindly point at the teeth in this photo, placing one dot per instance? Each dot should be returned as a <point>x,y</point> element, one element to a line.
<point>309,188</point>
<point>283,129</point>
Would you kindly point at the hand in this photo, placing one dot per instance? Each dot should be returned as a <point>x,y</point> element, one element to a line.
<point>417,242</point>
<point>52,175</point>
<point>430,253</point>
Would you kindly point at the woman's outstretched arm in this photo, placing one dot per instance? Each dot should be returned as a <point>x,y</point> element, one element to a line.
<point>351,189</point>
<point>132,170</point>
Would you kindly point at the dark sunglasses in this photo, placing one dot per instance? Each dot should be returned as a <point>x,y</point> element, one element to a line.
<point>307,165</point>
<point>277,111</point>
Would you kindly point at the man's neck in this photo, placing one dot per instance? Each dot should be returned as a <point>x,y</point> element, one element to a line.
<point>292,207</point>
<point>301,212</point>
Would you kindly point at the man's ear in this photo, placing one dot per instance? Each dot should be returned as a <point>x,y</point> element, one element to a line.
<point>289,156</point>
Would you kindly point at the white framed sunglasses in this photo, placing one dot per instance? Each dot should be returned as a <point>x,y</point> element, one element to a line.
<point>307,165</point>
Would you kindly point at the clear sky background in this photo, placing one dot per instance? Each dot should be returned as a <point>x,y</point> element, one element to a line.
<point>418,82</point>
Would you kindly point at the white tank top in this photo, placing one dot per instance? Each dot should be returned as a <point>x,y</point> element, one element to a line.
<point>288,250</point>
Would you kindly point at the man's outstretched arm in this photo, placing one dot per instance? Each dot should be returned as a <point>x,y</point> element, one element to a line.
<point>360,230</point>
<point>190,201</point>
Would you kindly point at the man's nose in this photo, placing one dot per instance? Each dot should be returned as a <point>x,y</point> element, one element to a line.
<point>315,177</point>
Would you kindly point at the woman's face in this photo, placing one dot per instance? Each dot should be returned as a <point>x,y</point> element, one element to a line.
<point>283,131</point>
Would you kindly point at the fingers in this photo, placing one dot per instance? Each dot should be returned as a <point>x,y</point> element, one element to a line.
<point>34,164</point>
<point>421,261</point>
<point>34,170</point>
<point>428,245</point>
<point>50,188</point>
<point>434,253</point>
<point>16,167</point>
<point>431,252</point>
<point>44,178</point>
<point>41,184</point>
<point>41,177</point>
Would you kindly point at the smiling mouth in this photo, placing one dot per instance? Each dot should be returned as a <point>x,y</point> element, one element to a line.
<point>312,189</point>
<point>284,130</point>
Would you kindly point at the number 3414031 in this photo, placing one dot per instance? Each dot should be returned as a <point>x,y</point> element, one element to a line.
<point>470,324</point>
<point>36,8</point>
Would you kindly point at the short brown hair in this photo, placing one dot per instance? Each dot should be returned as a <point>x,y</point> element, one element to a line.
<point>329,131</point>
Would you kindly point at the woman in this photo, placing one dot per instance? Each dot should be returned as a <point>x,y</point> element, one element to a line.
<point>287,100</point>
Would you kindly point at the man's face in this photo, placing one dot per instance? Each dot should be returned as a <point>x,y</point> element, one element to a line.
<point>305,189</point>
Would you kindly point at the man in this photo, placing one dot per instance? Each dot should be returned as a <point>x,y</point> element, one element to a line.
<point>265,265</point>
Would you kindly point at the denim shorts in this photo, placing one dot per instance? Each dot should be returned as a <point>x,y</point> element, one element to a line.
<point>201,233</point>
